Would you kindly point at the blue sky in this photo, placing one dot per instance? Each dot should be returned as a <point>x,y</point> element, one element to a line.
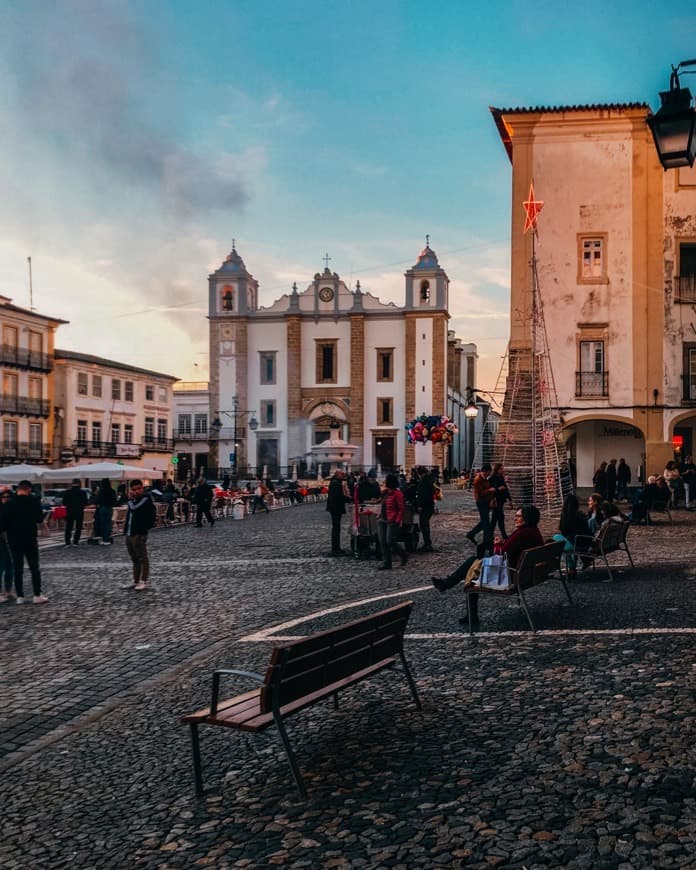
<point>141,137</point>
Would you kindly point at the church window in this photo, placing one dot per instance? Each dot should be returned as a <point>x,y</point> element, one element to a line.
<point>267,361</point>
<point>326,354</point>
<point>227,298</point>
<point>385,364</point>
<point>424,291</point>
<point>385,412</point>
<point>268,415</point>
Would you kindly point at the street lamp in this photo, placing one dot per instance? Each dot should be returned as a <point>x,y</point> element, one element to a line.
<point>674,124</point>
<point>471,411</point>
<point>236,412</point>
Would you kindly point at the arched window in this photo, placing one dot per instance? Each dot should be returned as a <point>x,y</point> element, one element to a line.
<point>425,291</point>
<point>227,298</point>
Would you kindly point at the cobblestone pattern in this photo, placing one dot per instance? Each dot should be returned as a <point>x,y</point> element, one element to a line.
<point>564,750</point>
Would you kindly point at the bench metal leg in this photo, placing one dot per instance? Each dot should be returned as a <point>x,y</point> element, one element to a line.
<point>197,771</point>
<point>606,562</point>
<point>565,586</point>
<point>411,682</point>
<point>628,553</point>
<point>526,609</point>
<point>297,776</point>
<point>335,697</point>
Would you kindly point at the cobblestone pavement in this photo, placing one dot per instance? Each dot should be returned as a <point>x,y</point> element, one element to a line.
<point>573,747</point>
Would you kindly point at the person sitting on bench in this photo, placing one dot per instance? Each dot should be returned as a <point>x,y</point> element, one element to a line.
<point>525,536</point>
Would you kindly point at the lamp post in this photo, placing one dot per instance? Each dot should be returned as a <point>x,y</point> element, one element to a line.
<point>674,124</point>
<point>235,413</point>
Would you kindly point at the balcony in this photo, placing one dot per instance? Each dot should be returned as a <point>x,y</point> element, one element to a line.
<point>12,452</point>
<point>685,290</point>
<point>188,435</point>
<point>23,358</point>
<point>158,445</point>
<point>105,449</point>
<point>591,385</point>
<point>24,406</point>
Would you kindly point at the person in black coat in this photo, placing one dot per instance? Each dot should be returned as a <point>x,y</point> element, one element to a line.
<point>336,499</point>
<point>425,499</point>
<point>203,499</point>
<point>19,521</point>
<point>106,502</point>
<point>611,480</point>
<point>623,479</point>
<point>502,494</point>
<point>75,502</point>
<point>599,481</point>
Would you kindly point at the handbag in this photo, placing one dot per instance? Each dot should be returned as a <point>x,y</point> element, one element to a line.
<point>494,572</point>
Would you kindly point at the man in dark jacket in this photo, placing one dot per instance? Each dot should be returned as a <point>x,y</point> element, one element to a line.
<point>623,479</point>
<point>425,499</point>
<point>75,502</point>
<point>611,480</point>
<point>336,499</point>
<point>140,519</point>
<point>203,499</point>
<point>20,519</point>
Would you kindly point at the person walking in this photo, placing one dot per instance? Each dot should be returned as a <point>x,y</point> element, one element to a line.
<point>389,523</point>
<point>483,493</point>
<point>336,499</point>
<point>106,502</point>
<point>502,494</point>
<point>75,502</point>
<point>260,493</point>
<point>612,476</point>
<point>203,498</point>
<point>599,481</point>
<point>425,500</point>
<point>20,519</point>
<point>140,518</point>
<point>623,479</point>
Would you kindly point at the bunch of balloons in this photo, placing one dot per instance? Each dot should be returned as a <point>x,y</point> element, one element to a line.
<point>436,428</point>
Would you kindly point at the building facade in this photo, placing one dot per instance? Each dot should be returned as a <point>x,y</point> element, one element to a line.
<point>616,260</point>
<point>27,409</point>
<point>322,355</point>
<point>110,411</point>
<point>192,432</point>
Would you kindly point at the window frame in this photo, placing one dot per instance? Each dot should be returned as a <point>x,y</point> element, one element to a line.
<point>266,406</point>
<point>266,356</point>
<point>35,444</point>
<point>96,433</point>
<point>149,392</point>
<point>200,423</point>
<point>116,389</point>
<point>82,385</point>
<point>97,386</point>
<point>583,238</point>
<point>382,354</point>
<point>128,391</point>
<point>149,430</point>
<point>592,334</point>
<point>322,345</point>
<point>383,401</point>
<point>184,424</point>
<point>688,353</point>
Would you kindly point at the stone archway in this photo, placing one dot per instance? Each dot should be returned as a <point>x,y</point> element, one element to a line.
<point>592,440</point>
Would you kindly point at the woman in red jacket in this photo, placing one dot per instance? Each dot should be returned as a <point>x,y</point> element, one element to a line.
<point>389,522</point>
<point>525,536</point>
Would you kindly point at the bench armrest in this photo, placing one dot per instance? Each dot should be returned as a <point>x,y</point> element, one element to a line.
<point>216,683</point>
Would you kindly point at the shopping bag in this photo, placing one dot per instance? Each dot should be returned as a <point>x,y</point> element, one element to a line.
<point>494,572</point>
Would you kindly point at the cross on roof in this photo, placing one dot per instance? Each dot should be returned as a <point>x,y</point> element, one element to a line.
<point>427,240</point>
<point>326,258</point>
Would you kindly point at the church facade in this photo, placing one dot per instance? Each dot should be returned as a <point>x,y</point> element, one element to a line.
<point>322,357</point>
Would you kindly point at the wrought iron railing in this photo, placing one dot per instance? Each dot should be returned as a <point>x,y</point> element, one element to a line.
<point>22,357</point>
<point>24,406</point>
<point>22,451</point>
<point>591,383</point>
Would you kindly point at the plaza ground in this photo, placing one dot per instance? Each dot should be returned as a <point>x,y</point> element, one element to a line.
<point>572,747</point>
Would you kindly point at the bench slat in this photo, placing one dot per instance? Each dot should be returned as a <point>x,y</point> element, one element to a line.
<point>200,715</point>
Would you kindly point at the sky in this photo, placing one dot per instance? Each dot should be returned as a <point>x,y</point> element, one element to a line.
<point>140,138</point>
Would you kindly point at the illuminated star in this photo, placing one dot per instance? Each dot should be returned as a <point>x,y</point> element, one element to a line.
<point>532,207</point>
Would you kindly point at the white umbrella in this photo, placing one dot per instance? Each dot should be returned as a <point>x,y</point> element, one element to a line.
<point>97,470</point>
<point>23,471</point>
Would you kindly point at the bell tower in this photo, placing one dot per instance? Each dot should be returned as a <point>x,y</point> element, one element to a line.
<point>427,284</point>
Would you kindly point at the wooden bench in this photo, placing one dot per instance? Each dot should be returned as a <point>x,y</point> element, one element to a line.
<point>611,538</point>
<point>302,673</point>
<point>535,566</point>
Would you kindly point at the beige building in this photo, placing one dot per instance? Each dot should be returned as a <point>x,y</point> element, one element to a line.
<point>26,413</point>
<point>616,261</point>
<point>324,353</point>
<point>109,411</point>
<point>192,432</point>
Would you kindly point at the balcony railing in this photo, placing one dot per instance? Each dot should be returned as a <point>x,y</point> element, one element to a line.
<point>158,445</point>
<point>685,289</point>
<point>106,449</point>
<point>24,406</point>
<point>591,384</point>
<point>22,357</point>
<point>23,451</point>
<point>188,435</point>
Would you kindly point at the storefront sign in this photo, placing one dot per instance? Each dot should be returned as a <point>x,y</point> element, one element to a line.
<point>619,432</point>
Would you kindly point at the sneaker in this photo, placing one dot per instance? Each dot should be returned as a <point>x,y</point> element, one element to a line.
<point>40,599</point>
<point>67,545</point>
<point>19,601</point>
<point>128,586</point>
<point>106,543</point>
<point>140,587</point>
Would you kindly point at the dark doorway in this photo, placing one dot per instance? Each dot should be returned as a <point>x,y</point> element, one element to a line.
<point>384,450</point>
<point>685,445</point>
<point>267,454</point>
<point>183,466</point>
